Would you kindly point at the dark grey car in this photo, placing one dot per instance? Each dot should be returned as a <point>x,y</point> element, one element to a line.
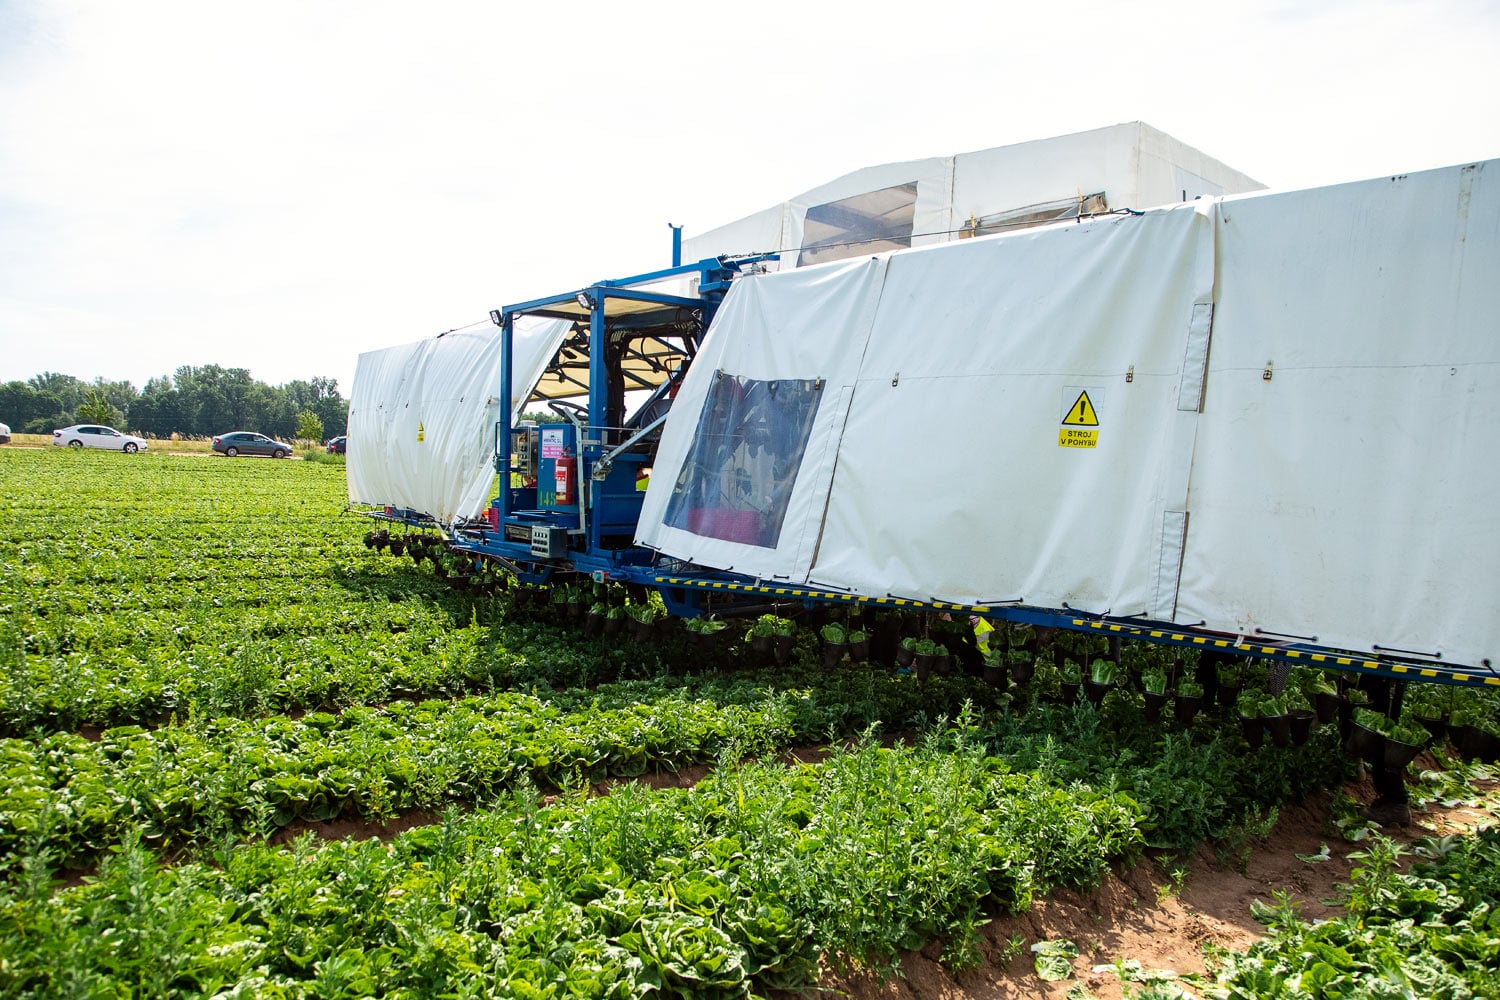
<point>250,443</point>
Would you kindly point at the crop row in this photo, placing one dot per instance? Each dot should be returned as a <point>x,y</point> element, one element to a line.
<point>233,776</point>
<point>729,889</point>
<point>229,777</point>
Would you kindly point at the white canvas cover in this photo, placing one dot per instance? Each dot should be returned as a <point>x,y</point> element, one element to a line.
<point>422,417</point>
<point>1130,165</point>
<point>1353,496</point>
<point>1078,417</point>
<point>950,372</point>
<point>799,328</point>
<point>1133,165</point>
<point>978,354</point>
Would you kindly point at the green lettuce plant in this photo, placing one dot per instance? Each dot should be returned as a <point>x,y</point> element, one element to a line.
<point>1102,670</point>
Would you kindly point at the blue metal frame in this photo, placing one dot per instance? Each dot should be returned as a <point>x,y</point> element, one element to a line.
<point>627,563</point>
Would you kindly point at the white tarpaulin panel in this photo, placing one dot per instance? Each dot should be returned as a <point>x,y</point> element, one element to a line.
<point>1352,496</point>
<point>994,449</point>
<point>806,328</point>
<point>422,417</point>
<point>962,366</point>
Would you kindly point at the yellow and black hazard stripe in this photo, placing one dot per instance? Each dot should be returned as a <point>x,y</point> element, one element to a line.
<point>1337,660</point>
<point>810,594</point>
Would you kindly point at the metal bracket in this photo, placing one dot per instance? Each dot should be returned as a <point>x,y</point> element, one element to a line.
<point>1286,635</point>
<point>1407,652</point>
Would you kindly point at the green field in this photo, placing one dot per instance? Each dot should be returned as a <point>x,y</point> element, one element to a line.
<point>206,674</point>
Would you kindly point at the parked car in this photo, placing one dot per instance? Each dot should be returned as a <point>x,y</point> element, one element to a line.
<point>99,436</point>
<point>337,445</point>
<point>250,443</point>
<point>4,433</point>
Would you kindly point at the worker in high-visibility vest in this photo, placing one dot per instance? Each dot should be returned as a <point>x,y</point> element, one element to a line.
<point>983,632</point>
<point>642,479</point>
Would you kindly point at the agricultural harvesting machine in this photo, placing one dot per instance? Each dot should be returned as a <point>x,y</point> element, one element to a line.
<point>1253,424</point>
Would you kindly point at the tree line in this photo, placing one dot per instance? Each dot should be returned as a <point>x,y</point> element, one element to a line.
<point>194,402</point>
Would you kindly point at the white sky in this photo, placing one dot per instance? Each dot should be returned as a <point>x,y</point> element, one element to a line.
<point>280,186</point>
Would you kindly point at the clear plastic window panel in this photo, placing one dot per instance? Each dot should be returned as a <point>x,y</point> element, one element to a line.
<point>1035,215</point>
<point>743,462</point>
<point>867,223</point>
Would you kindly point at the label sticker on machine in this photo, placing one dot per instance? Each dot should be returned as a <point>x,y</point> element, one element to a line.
<point>552,442</point>
<point>1080,422</point>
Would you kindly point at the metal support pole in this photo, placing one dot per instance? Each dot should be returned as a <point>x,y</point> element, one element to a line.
<point>502,460</point>
<point>599,375</point>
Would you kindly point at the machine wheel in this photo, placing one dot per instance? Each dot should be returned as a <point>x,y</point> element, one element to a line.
<point>130,448</point>
<point>75,444</point>
<point>278,453</point>
<point>231,452</point>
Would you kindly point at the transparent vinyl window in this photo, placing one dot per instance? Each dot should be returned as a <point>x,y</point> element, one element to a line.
<point>1040,214</point>
<point>860,225</point>
<point>742,465</point>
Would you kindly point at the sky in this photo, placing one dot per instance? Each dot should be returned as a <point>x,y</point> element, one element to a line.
<point>281,186</point>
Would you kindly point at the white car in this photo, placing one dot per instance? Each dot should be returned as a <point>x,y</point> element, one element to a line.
<point>4,433</point>
<point>96,436</point>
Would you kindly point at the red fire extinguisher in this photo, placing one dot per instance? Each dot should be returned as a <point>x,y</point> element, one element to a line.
<point>564,473</point>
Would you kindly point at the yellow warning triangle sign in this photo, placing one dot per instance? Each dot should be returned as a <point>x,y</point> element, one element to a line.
<point>1081,413</point>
